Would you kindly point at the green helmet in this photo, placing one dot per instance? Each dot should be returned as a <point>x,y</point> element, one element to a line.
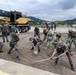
<point>50,34</point>
<point>58,35</point>
<point>69,30</point>
<point>60,44</point>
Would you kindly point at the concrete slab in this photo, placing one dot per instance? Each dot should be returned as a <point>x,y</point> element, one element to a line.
<point>3,73</point>
<point>19,69</point>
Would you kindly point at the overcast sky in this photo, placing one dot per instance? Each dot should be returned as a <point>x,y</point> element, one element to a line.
<point>52,10</point>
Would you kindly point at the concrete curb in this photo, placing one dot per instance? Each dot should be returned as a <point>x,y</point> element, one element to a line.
<point>11,68</point>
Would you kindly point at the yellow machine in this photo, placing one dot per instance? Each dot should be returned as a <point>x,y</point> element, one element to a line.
<point>17,19</point>
<point>5,20</point>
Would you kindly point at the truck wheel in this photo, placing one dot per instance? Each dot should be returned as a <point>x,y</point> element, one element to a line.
<point>26,29</point>
<point>19,29</point>
<point>0,33</point>
<point>23,29</point>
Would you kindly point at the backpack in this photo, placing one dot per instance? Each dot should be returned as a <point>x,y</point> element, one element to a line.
<point>49,38</point>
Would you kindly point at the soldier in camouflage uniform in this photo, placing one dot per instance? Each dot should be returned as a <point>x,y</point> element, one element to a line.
<point>47,26</point>
<point>36,42</point>
<point>54,26</point>
<point>14,41</point>
<point>50,36</point>
<point>36,32</point>
<point>53,43</point>
<point>61,50</point>
<point>45,32</point>
<point>72,38</point>
<point>56,39</point>
<point>51,26</point>
<point>4,32</point>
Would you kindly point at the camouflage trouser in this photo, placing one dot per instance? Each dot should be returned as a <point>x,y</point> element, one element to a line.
<point>69,58</point>
<point>44,37</point>
<point>3,37</point>
<point>72,41</point>
<point>13,46</point>
<point>1,46</point>
<point>50,47</point>
<point>37,47</point>
<point>37,35</point>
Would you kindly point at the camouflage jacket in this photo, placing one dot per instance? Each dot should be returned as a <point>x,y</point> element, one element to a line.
<point>14,37</point>
<point>45,31</point>
<point>4,29</point>
<point>55,41</point>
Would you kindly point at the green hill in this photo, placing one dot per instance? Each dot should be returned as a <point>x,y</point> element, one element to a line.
<point>36,19</point>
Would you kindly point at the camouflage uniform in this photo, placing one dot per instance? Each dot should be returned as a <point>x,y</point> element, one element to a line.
<point>45,32</point>
<point>56,39</point>
<point>14,41</point>
<point>47,26</point>
<point>54,26</point>
<point>61,48</point>
<point>36,32</point>
<point>72,38</point>
<point>1,46</point>
<point>49,38</point>
<point>54,42</point>
<point>4,32</point>
<point>36,42</point>
<point>49,42</point>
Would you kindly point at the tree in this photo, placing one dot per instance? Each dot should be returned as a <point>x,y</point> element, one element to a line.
<point>61,23</point>
<point>70,23</point>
